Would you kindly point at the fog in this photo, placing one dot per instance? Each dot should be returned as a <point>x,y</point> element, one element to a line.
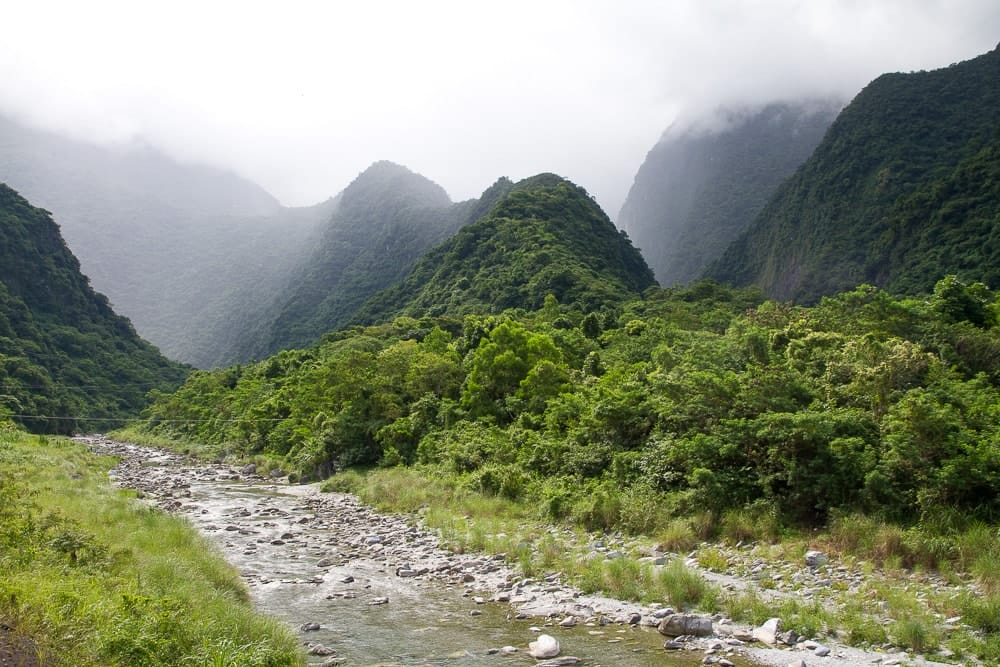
<point>301,96</point>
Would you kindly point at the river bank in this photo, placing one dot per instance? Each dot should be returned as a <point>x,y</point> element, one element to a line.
<point>375,560</point>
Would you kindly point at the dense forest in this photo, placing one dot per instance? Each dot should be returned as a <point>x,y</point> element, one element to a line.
<point>690,400</point>
<point>539,237</point>
<point>706,180</point>
<point>64,354</point>
<point>896,194</point>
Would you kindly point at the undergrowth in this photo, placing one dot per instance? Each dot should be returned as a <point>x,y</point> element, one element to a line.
<point>86,566</point>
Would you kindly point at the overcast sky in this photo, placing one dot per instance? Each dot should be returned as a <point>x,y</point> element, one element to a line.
<point>302,96</point>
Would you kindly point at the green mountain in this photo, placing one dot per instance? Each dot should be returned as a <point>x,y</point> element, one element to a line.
<point>381,225</point>
<point>544,235</point>
<point>186,251</point>
<point>64,353</point>
<point>705,182</point>
<point>897,194</point>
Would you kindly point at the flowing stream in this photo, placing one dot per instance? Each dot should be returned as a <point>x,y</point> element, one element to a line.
<point>321,559</point>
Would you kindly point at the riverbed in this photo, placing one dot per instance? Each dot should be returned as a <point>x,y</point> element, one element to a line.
<point>362,588</point>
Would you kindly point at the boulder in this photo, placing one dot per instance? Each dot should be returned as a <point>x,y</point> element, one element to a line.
<point>676,625</point>
<point>768,632</point>
<point>546,646</point>
<point>816,558</point>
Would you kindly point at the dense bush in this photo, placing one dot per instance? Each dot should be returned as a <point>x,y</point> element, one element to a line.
<point>709,399</point>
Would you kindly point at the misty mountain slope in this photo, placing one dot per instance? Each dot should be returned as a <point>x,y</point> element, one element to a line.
<point>64,353</point>
<point>839,222</point>
<point>180,249</point>
<point>704,183</point>
<point>543,236</point>
<point>384,221</point>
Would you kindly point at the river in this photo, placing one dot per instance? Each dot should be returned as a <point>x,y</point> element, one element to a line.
<point>323,560</point>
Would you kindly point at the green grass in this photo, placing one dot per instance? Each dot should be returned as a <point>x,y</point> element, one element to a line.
<point>87,566</point>
<point>892,606</point>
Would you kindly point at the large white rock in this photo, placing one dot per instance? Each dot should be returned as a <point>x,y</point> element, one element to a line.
<point>546,646</point>
<point>768,632</point>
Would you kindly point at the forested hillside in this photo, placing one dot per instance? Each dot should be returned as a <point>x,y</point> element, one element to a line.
<point>689,401</point>
<point>706,180</point>
<point>383,222</point>
<point>897,194</point>
<point>542,236</point>
<point>63,352</point>
<point>187,252</point>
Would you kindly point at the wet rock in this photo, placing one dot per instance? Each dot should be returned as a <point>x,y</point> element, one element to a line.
<point>249,469</point>
<point>676,625</point>
<point>321,650</point>
<point>673,645</point>
<point>546,646</point>
<point>309,627</point>
<point>378,601</point>
<point>559,662</point>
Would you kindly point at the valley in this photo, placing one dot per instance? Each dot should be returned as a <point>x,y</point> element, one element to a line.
<point>395,429</point>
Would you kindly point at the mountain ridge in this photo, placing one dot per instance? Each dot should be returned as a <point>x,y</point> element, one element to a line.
<point>822,230</point>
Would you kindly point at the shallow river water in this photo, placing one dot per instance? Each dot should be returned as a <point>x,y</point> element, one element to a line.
<point>302,570</point>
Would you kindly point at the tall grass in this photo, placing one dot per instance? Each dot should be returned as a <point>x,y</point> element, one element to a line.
<point>85,565</point>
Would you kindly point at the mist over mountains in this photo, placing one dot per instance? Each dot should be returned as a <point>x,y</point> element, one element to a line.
<point>215,271</point>
<point>706,180</point>
<point>181,250</point>
<point>897,194</point>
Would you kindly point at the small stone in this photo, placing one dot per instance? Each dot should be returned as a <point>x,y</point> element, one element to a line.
<point>378,601</point>
<point>821,651</point>
<point>673,645</point>
<point>309,627</point>
<point>567,622</point>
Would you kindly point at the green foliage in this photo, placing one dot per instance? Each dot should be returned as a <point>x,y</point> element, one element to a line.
<point>741,416</point>
<point>543,237</point>
<point>123,584</point>
<point>63,352</point>
<point>902,189</point>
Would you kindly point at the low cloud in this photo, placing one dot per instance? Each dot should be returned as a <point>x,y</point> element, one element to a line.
<point>301,97</point>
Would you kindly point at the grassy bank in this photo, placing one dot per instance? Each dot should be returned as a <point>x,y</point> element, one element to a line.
<point>914,579</point>
<point>92,577</point>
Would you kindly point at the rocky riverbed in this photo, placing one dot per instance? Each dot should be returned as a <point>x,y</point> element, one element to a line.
<point>324,562</point>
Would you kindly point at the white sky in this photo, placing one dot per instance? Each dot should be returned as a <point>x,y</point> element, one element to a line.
<point>302,96</point>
